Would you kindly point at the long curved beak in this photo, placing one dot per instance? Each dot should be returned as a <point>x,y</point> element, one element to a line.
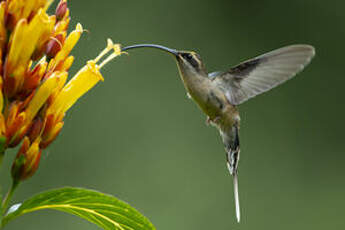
<point>172,51</point>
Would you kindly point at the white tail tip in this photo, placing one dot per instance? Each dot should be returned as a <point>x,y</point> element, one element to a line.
<point>237,200</point>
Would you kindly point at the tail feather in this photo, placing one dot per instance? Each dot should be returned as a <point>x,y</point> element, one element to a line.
<point>232,147</point>
<point>237,199</point>
<point>233,172</point>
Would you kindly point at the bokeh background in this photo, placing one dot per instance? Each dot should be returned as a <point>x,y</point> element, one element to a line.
<point>138,137</point>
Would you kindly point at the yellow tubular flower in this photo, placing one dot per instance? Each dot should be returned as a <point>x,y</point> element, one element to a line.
<point>43,94</point>
<point>14,7</point>
<point>67,47</point>
<point>68,63</point>
<point>21,51</point>
<point>17,41</point>
<point>46,34</point>
<point>40,24</point>
<point>24,8</point>
<point>82,82</point>
<point>28,7</point>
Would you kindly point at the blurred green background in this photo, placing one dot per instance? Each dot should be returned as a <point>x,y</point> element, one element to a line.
<point>138,137</point>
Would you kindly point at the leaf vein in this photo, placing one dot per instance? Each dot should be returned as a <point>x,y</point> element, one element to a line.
<point>78,208</point>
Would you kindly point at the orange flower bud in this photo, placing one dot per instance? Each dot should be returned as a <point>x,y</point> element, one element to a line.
<point>34,77</point>
<point>12,112</point>
<point>27,160</point>
<point>51,135</point>
<point>16,132</point>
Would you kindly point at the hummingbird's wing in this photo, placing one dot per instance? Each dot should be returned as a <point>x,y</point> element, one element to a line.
<point>262,73</point>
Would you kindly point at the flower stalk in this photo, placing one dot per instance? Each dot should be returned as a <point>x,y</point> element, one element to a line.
<point>8,197</point>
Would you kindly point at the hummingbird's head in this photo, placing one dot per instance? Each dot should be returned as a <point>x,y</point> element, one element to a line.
<point>189,62</point>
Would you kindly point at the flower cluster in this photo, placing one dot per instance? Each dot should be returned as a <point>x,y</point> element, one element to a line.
<point>35,59</point>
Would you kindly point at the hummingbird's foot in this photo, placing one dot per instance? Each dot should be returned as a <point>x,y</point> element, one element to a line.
<point>212,121</point>
<point>215,120</point>
<point>208,121</point>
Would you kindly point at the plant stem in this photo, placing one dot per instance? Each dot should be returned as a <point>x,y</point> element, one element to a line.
<point>7,199</point>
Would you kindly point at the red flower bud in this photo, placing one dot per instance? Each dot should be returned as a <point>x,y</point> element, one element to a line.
<point>61,10</point>
<point>35,129</point>
<point>54,45</point>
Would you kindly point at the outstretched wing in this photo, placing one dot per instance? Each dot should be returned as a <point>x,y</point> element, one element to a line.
<point>262,73</point>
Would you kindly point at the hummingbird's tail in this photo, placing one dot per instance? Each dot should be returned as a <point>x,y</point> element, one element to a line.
<point>232,147</point>
<point>237,199</point>
<point>232,160</point>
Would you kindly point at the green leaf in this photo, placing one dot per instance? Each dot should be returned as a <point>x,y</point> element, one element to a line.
<point>103,210</point>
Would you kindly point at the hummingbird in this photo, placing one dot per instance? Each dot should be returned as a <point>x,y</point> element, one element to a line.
<point>219,93</point>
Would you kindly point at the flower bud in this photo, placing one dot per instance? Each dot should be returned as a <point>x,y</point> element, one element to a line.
<point>35,129</point>
<point>51,130</point>
<point>54,46</point>
<point>34,77</point>
<point>61,10</point>
<point>27,160</point>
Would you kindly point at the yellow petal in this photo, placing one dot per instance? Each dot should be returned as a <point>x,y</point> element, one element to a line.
<point>61,26</point>
<point>67,47</point>
<point>67,63</point>
<point>33,150</point>
<point>82,82</point>
<point>40,24</point>
<point>43,93</point>
<point>51,135</point>
<point>28,7</point>
<point>16,44</point>
<point>46,33</point>
<point>21,50</point>
<point>47,3</point>
<point>24,8</point>
<point>15,8</point>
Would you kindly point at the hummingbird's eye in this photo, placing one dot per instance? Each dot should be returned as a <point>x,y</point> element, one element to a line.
<point>190,58</point>
<point>187,56</point>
